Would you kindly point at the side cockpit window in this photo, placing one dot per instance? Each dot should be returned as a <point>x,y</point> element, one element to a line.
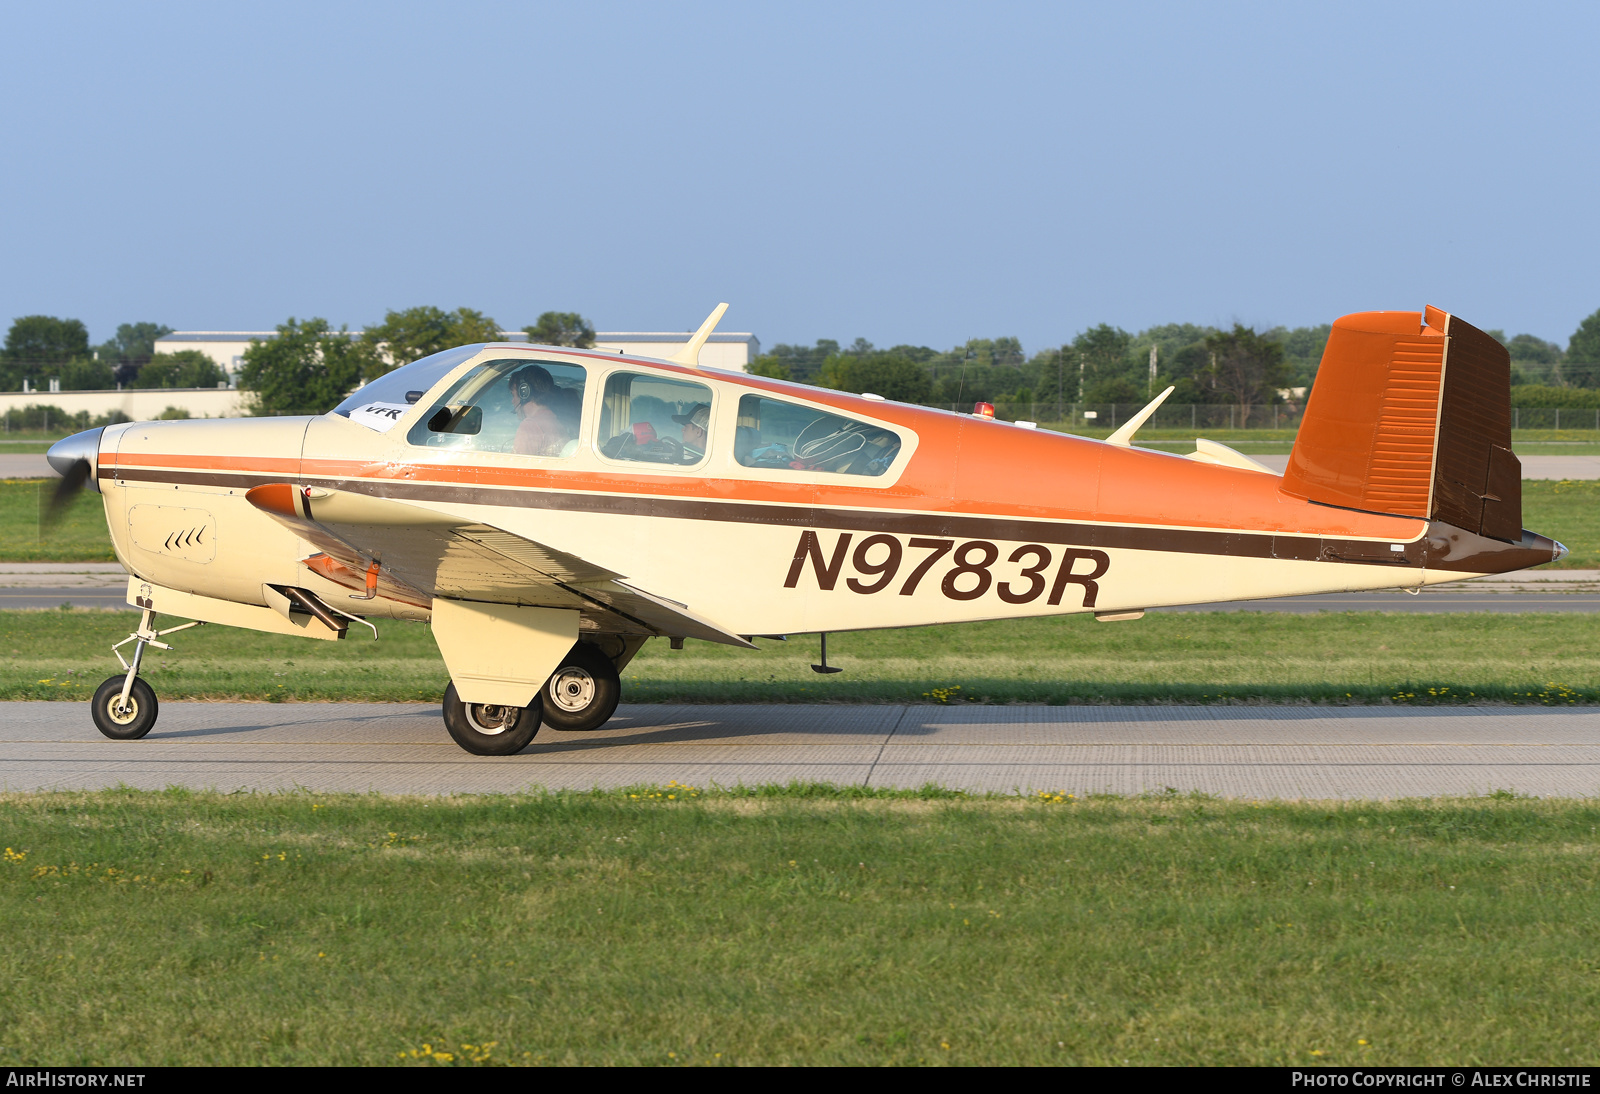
<point>646,418</point>
<point>528,408</point>
<point>783,436</point>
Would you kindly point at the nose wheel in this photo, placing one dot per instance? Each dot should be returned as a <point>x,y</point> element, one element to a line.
<point>124,718</point>
<point>583,692</point>
<point>124,708</point>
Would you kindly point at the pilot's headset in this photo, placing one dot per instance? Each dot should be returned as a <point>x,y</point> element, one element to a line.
<point>828,440</point>
<point>532,383</point>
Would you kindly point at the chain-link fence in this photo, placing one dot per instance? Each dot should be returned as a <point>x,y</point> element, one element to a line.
<point>1217,416</point>
<point>1540,417</point>
<point>1111,415</point>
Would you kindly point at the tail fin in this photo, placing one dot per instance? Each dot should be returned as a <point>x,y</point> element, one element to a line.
<point>1411,415</point>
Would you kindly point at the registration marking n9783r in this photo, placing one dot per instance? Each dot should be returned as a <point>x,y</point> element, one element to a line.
<point>968,567</point>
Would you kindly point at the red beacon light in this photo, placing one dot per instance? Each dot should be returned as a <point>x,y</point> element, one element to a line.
<point>983,410</point>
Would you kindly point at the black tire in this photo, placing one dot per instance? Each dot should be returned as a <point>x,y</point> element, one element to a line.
<point>483,730</point>
<point>129,724</point>
<point>583,692</point>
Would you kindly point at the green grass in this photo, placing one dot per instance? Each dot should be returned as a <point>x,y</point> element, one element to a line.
<point>813,926</point>
<point>1568,511</point>
<point>1201,657</point>
<point>45,437</point>
<point>79,536</point>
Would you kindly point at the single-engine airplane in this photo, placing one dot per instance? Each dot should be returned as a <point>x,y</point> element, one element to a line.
<point>550,509</point>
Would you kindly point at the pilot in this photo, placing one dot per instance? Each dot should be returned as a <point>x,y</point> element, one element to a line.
<point>541,431</point>
<point>694,430</point>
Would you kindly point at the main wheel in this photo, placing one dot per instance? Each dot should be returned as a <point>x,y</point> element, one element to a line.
<point>485,730</point>
<point>583,692</point>
<point>121,723</point>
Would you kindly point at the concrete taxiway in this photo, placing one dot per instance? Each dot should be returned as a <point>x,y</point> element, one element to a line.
<point>1238,752</point>
<point>25,465</point>
<point>105,584</point>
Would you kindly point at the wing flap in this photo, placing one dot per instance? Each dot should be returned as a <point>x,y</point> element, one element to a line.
<point>422,553</point>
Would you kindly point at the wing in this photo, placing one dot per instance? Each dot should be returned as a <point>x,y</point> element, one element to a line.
<point>413,554</point>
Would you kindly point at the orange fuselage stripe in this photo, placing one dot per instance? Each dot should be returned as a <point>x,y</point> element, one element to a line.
<point>1129,486</point>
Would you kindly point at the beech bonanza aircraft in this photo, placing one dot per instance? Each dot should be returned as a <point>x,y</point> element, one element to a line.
<point>550,509</point>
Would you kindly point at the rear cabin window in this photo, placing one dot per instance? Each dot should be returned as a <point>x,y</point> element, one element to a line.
<point>782,436</point>
<point>528,408</point>
<point>652,419</point>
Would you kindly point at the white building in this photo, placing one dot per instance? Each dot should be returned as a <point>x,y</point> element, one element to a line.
<point>731,350</point>
<point>225,347</point>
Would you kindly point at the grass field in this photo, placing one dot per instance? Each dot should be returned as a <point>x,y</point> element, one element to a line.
<point>813,926</point>
<point>80,536</point>
<point>1567,511</point>
<point>1201,657</point>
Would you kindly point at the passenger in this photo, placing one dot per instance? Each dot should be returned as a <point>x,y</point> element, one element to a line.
<point>541,432</point>
<point>568,405</point>
<point>694,430</point>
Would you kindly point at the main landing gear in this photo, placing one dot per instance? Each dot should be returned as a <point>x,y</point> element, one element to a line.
<point>124,708</point>
<point>486,730</point>
<point>581,694</point>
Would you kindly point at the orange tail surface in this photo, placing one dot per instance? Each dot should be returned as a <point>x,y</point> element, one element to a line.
<point>1411,415</point>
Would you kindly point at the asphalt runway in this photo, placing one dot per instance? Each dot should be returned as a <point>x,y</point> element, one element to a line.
<point>76,596</point>
<point>1533,466</point>
<point>25,465</point>
<point>1237,752</point>
<point>104,585</point>
<point>1427,601</point>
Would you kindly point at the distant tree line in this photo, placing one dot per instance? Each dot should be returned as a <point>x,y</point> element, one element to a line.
<point>1104,364</point>
<point>1241,366</point>
<point>310,366</point>
<point>41,348</point>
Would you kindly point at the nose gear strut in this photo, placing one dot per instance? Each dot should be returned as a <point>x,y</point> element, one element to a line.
<point>125,707</point>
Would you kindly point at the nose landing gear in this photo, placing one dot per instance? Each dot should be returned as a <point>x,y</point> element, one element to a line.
<point>124,708</point>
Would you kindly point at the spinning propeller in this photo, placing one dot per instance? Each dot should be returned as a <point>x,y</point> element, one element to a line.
<point>74,460</point>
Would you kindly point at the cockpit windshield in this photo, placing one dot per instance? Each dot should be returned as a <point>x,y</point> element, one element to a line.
<point>380,404</point>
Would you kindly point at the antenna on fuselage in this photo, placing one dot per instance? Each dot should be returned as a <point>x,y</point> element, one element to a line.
<point>1123,437</point>
<point>690,354</point>
<point>825,667</point>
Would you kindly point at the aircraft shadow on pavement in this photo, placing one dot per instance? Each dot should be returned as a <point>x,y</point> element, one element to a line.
<point>916,721</point>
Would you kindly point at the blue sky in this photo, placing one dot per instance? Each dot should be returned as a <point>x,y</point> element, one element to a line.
<point>906,173</point>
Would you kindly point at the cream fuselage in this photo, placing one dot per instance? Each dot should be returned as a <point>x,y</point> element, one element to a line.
<point>759,551</point>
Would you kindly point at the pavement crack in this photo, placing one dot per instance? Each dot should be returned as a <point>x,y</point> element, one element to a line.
<point>904,710</point>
